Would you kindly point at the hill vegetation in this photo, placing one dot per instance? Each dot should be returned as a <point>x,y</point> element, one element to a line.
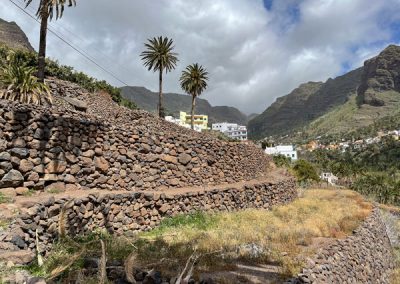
<point>303,105</point>
<point>373,170</point>
<point>63,72</point>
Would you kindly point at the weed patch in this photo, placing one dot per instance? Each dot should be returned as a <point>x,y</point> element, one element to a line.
<point>285,235</point>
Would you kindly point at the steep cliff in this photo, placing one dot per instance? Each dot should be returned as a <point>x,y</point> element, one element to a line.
<point>12,36</point>
<point>381,74</point>
<point>304,104</point>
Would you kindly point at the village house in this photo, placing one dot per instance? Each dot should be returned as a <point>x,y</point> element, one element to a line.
<point>285,150</point>
<point>232,130</point>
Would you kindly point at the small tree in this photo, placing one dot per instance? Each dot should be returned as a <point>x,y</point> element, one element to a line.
<point>194,82</point>
<point>305,172</point>
<point>45,13</point>
<point>159,56</point>
<point>282,161</point>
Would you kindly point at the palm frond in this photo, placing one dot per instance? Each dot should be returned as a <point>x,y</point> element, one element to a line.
<point>48,7</point>
<point>21,84</point>
<point>194,79</point>
<point>159,54</point>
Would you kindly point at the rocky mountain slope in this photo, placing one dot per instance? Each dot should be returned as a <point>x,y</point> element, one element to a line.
<point>304,104</point>
<point>381,74</point>
<point>147,100</point>
<point>12,36</point>
<point>339,105</point>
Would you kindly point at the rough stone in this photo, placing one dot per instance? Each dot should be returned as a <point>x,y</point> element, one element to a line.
<point>21,153</point>
<point>78,104</point>
<point>101,164</point>
<point>5,156</point>
<point>56,167</point>
<point>184,158</point>
<point>12,179</point>
<point>20,257</point>
<point>25,166</point>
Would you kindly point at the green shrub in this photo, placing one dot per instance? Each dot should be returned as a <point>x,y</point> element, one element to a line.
<point>380,186</point>
<point>282,161</point>
<point>305,172</point>
<point>66,73</point>
<point>20,83</point>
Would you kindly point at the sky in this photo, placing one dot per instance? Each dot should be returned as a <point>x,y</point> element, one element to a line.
<point>254,50</point>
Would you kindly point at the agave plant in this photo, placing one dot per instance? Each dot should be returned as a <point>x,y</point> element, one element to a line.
<point>21,84</point>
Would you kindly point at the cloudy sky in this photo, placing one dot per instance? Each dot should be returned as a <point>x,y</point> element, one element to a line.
<point>254,50</point>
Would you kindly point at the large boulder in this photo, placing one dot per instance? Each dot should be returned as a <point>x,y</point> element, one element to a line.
<point>77,104</point>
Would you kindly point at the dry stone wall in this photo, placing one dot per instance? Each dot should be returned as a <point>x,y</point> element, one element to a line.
<point>364,257</point>
<point>135,211</point>
<point>59,149</point>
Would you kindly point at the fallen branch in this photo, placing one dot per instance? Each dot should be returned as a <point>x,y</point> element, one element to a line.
<point>103,264</point>
<point>188,270</point>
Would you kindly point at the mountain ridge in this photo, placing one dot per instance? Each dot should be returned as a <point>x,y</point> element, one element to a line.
<point>174,103</point>
<point>340,105</point>
<point>304,104</point>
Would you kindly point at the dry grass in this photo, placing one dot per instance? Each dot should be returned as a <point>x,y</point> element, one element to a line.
<point>284,234</point>
<point>395,279</point>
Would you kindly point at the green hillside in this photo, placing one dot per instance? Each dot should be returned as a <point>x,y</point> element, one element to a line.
<point>351,117</point>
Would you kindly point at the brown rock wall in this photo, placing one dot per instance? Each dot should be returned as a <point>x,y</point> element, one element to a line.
<point>135,211</point>
<point>44,147</point>
<point>364,257</point>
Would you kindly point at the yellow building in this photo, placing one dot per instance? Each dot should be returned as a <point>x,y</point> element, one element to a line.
<point>200,120</point>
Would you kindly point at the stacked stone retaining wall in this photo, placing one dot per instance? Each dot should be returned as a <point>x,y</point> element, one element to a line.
<point>59,149</point>
<point>136,211</point>
<point>364,257</point>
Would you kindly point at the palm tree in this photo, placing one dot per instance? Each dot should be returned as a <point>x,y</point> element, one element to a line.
<point>194,82</point>
<point>45,12</point>
<point>159,56</point>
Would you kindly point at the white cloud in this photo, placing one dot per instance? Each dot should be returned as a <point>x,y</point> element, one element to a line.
<point>253,55</point>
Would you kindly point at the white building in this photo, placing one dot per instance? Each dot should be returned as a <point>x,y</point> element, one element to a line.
<point>330,178</point>
<point>174,120</point>
<point>231,130</point>
<point>285,150</point>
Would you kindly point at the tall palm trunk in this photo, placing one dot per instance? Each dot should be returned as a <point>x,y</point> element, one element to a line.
<point>193,105</point>
<point>42,45</point>
<point>160,98</point>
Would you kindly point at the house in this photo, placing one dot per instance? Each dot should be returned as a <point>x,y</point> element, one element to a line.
<point>329,177</point>
<point>285,150</point>
<point>200,120</point>
<point>312,145</point>
<point>231,130</point>
<point>184,120</point>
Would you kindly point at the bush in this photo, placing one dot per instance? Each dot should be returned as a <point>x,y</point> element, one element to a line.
<point>380,186</point>
<point>20,83</point>
<point>282,161</point>
<point>305,172</point>
<point>66,73</point>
